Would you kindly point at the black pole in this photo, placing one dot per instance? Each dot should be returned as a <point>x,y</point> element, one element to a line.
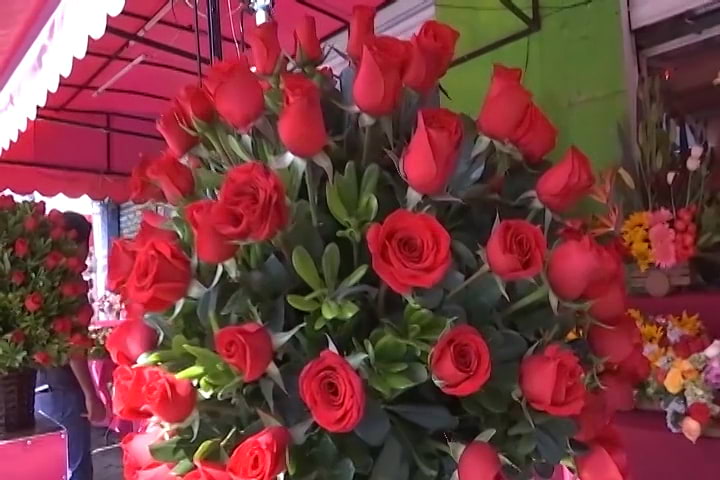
<point>214,30</point>
<point>197,43</point>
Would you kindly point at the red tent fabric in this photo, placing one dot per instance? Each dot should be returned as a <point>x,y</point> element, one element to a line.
<point>102,115</point>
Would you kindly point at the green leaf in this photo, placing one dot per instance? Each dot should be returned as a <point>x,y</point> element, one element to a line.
<point>357,451</point>
<point>172,451</point>
<point>369,180</point>
<point>301,303</point>
<point>431,417</point>
<point>206,448</point>
<point>525,445</point>
<point>331,265</point>
<point>389,349</point>
<point>548,447</point>
<point>183,466</point>
<point>348,310</point>
<point>348,184</point>
<point>398,381</point>
<point>522,427</point>
<point>495,401</point>
<point>237,147</point>
<point>391,464</point>
<point>417,372</point>
<point>368,208</point>
<point>375,425</point>
<point>305,268</point>
<point>354,277</point>
<point>330,309</point>
<point>335,204</point>
<point>342,470</point>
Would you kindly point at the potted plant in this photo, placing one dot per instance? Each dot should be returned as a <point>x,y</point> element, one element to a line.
<point>43,306</point>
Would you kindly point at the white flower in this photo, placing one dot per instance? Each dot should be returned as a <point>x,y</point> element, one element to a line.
<point>693,163</point>
<point>697,151</point>
<point>671,177</point>
<point>713,350</point>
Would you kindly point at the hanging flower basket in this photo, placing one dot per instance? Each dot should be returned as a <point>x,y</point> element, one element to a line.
<point>17,400</point>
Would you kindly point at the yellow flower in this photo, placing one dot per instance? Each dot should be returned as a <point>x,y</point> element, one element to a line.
<point>681,371</point>
<point>637,219</point>
<point>688,323</point>
<point>652,333</point>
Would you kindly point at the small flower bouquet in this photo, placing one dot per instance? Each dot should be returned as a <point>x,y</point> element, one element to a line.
<point>685,371</point>
<point>44,313</point>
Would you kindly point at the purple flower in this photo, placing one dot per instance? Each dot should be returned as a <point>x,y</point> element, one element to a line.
<point>712,373</point>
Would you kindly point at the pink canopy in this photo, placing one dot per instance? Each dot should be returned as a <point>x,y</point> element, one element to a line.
<point>88,133</point>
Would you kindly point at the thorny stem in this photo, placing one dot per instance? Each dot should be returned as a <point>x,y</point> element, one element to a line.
<point>483,270</point>
<point>312,194</point>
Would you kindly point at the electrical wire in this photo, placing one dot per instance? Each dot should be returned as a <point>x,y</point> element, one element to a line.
<point>232,26</point>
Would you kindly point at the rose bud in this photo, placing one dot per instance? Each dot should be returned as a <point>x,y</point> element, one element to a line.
<point>237,93</point>
<point>560,187</point>
<point>31,224</point>
<point>409,250</point>
<point>42,358</point>
<point>431,156</point>
<point>307,44</point>
<point>62,325</point>
<point>247,347</point>
<point>460,361</point>
<point>516,250</point>
<point>252,204</point>
<point>261,456</point>
<point>362,28</point>
<point>57,233</point>
<point>506,104</point>
<point>614,343</point>
<point>6,202</point>
<point>378,83</point>
<point>535,137</point>
<point>433,48</point>
<point>168,398</point>
<point>142,190</point>
<point>17,278</point>
<point>211,246</point>
<point>160,277</point>
<point>266,51</point>
<point>479,461</point>
<point>194,102</point>
<point>174,179</point>
<point>17,336</point>
<point>76,264</point>
<point>301,125</point>
<point>21,247</point>
<point>552,381</point>
<point>173,126</point>
<point>333,392</point>
<point>33,302</point>
<point>129,340</point>
<point>53,260</point>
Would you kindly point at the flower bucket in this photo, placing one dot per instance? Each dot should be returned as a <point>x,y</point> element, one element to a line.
<point>17,400</point>
<point>660,282</point>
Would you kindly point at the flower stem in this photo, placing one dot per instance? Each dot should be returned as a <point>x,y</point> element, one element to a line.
<point>483,270</point>
<point>527,300</point>
<point>366,145</point>
<point>312,194</point>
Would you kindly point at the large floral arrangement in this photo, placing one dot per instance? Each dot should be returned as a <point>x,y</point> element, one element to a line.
<point>44,312</point>
<point>685,370</point>
<point>355,284</point>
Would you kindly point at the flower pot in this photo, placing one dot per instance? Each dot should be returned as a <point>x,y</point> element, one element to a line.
<point>17,400</point>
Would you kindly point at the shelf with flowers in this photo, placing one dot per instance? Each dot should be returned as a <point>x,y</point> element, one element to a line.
<point>355,284</point>
<point>662,231</point>
<point>44,312</point>
<point>684,379</point>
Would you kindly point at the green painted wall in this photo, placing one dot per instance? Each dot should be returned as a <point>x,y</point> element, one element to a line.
<point>575,66</point>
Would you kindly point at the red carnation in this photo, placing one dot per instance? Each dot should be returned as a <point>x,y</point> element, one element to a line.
<point>42,358</point>
<point>34,302</point>
<point>21,247</point>
<point>31,224</point>
<point>17,277</point>
<point>62,325</point>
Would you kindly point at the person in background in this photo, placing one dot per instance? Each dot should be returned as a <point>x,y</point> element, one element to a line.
<point>67,394</point>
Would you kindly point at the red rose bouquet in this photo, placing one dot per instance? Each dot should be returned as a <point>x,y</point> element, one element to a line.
<point>43,297</point>
<point>359,285</point>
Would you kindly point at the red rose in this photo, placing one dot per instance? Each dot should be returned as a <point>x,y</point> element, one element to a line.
<point>174,179</point>
<point>152,226</point>
<point>700,413</point>
<point>431,156</point>
<point>552,381</point>
<point>173,126</point>
<point>378,84</point>
<point>129,340</point>
<point>33,302</point>
<point>560,187</point>
<point>17,336</point>
<point>160,276</point>
<point>31,224</point>
<point>237,93</point>
<point>433,48</point>
<point>6,202</point>
<point>21,247</point>
<point>42,358</point>
<point>260,456</point>
<point>62,325</point>
<point>479,461</point>
<point>606,459</point>
<point>266,51</point>
<point>333,392</point>
<point>252,204</point>
<point>535,137</point>
<point>81,340</point>
<point>516,250</point>
<point>636,367</point>
<point>194,102</point>
<point>618,390</point>
<point>57,218</point>
<point>460,361</point>
<point>57,233</point>
<point>362,28</point>
<point>506,104</point>
<point>611,303</point>
<point>138,462</point>
<point>73,288</point>
<point>409,250</point>
<point>614,343</point>
<point>128,401</point>
<point>247,347</point>
<point>208,471</point>
<point>168,398</point>
<point>39,208</point>
<point>84,315</point>
<point>75,264</point>
<point>53,260</point>
<point>17,278</point>
<point>593,418</point>
<point>211,246</point>
<point>141,188</point>
<point>307,44</point>
<point>301,126</point>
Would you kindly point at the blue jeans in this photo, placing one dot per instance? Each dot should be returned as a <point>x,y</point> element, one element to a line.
<point>67,408</point>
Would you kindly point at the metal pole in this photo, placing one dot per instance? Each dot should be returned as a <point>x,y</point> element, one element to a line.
<point>214,29</point>
<point>197,43</point>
